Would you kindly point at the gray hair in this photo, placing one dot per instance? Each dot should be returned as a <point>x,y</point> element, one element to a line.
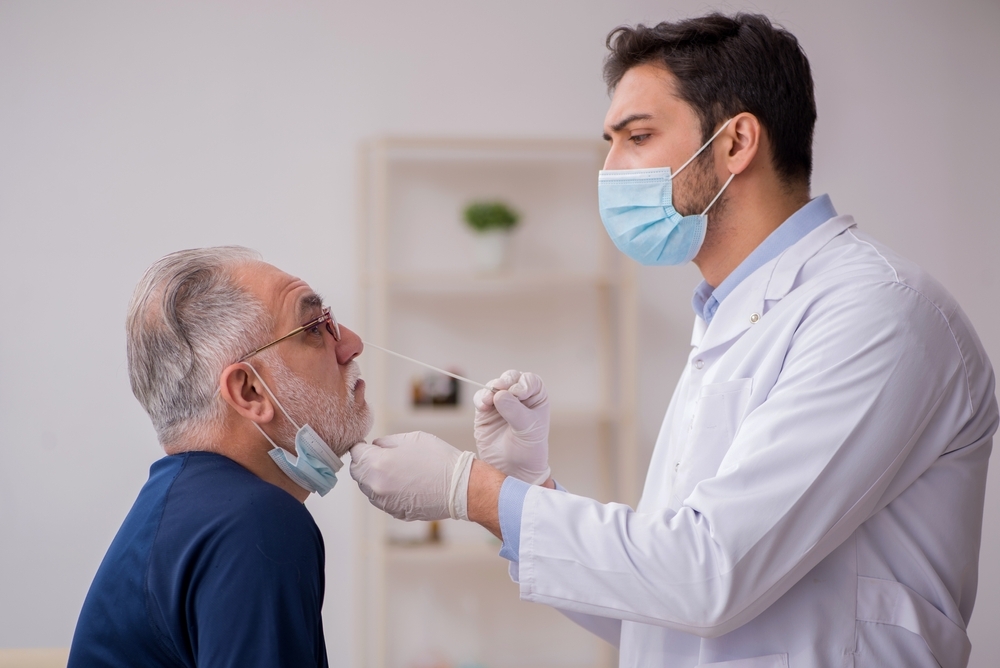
<point>188,319</point>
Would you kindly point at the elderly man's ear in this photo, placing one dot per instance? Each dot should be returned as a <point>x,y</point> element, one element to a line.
<point>244,391</point>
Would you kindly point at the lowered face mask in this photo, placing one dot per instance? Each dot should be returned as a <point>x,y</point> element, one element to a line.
<point>638,213</point>
<point>315,468</point>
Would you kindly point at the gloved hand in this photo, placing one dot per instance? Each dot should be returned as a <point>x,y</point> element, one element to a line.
<point>414,476</point>
<point>512,426</point>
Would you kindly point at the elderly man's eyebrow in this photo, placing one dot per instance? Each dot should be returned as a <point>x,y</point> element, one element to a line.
<point>623,123</point>
<point>308,305</point>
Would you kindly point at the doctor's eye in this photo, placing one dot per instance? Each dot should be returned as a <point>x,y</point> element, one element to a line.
<point>638,139</point>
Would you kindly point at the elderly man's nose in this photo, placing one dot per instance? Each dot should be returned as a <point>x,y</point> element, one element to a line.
<point>349,346</point>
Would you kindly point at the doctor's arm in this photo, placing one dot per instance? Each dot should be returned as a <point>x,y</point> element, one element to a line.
<point>852,418</point>
<point>511,428</point>
<point>485,498</point>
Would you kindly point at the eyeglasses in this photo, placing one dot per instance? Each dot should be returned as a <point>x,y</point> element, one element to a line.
<point>328,318</point>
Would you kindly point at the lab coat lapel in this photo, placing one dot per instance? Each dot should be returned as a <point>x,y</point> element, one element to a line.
<point>789,263</point>
<point>733,316</point>
<point>748,304</point>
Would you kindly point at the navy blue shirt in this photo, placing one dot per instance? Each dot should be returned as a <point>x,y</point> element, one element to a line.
<point>211,567</point>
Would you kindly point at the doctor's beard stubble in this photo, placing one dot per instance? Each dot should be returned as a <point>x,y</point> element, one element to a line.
<point>699,185</point>
<point>339,422</point>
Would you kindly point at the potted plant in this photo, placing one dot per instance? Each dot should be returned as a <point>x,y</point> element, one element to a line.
<point>492,223</point>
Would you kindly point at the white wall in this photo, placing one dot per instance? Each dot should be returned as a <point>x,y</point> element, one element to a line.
<point>130,130</point>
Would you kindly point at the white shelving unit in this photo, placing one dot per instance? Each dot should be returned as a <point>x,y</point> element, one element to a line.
<point>565,308</point>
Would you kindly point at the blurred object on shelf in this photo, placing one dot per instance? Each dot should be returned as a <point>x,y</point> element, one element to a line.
<point>435,389</point>
<point>414,533</point>
<point>492,222</point>
<point>434,532</point>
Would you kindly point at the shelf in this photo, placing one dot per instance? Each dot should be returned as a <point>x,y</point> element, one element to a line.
<point>443,284</point>
<point>566,306</point>
<point>444,554</point>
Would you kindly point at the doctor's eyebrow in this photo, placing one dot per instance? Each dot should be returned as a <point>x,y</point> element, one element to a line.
<point>623,123</point>
<point>308,304</point>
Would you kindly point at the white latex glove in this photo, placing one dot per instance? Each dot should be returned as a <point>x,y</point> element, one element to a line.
<point>512,426</point>
<point>414,476</point>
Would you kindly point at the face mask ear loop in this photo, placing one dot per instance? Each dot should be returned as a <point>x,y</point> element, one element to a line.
<point>703,147</point>
<point>274,399</point>
<point>714,199</point>
<point>264,434</point>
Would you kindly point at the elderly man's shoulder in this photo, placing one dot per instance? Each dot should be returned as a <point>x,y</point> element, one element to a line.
<point>218,500</point>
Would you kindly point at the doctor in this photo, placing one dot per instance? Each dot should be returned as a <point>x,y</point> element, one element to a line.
<point>815,496</point>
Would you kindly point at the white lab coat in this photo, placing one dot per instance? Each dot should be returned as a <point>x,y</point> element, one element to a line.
<point>815,496</point>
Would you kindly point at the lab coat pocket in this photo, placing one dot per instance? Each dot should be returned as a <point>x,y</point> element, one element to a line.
<point>769,661</point>
<point>717,417</point>
<point>889,602</point>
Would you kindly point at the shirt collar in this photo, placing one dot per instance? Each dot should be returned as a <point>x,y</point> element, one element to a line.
<point>706,299</point>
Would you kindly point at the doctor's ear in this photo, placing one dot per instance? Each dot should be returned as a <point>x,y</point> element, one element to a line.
<point>742,142</point>
<point>244,392</point>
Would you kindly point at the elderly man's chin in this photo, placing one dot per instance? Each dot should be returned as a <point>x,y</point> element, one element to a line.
<point>341,421</point>
<point>359,429</point>
<point>344,425</point>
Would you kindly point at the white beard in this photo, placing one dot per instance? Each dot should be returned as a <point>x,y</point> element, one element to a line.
<point>339,422</point>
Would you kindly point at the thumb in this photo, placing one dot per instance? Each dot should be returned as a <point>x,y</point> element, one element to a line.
<point>359,449</point>
<point>359,456</point>
<point>513,411</point>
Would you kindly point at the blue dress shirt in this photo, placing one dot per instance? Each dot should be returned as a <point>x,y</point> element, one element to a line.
<point>706,299</point>
<point>705,303</point>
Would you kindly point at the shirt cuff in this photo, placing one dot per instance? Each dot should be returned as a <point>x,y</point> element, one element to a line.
<point>509,507</point>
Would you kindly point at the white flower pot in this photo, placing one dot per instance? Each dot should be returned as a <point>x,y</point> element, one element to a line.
<point>491,250</point>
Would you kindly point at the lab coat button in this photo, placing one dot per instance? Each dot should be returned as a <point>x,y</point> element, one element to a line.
<point>754,317</point>
<point>699,363</point>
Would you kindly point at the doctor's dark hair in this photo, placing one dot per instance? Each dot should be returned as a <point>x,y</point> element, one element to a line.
<point>189,318</point>
<point>728,65</point>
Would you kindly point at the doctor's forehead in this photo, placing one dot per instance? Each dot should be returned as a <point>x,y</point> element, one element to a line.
<point>645,92</point>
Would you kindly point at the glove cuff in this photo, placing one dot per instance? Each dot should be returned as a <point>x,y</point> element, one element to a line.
<point>541,478</point>
<point>458,495</point>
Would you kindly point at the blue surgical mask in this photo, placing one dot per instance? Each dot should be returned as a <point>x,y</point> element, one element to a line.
<point>638,213</point>
<point>315,468</point>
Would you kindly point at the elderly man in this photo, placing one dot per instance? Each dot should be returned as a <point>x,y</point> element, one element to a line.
<point>253,390</point>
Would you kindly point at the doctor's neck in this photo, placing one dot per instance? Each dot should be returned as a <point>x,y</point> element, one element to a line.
<point>756,203</point>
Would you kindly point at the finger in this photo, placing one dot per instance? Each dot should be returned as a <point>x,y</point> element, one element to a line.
<point>483,400</point>
<point>497,384</point>
<point>359,456</point>
<point>390,441</point>
<point>410,439</point>
<point>359,449</point>
<point>529,389</point>
<point>508,378</point>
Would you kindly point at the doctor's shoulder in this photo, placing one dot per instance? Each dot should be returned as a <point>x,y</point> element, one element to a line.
<point>862,294</point>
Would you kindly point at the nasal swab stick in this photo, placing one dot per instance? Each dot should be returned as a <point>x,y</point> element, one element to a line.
<point>434,368</point>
